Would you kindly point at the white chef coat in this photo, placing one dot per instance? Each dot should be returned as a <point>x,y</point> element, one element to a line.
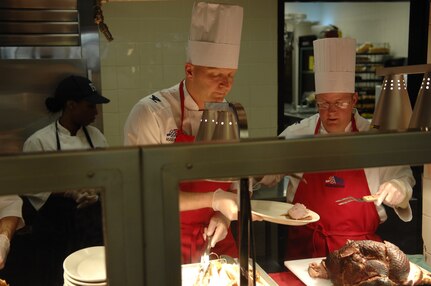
<point>45,140</point>
<point>11,206</point>
<point>375,176</point>
<point>155,118</point>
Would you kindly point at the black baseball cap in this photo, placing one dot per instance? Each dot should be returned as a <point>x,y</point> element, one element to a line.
<point>79,88</point>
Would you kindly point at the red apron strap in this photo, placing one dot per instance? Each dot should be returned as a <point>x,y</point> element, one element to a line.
<point>354,128</point>
<point>318,124</point>
<point>182,103</point>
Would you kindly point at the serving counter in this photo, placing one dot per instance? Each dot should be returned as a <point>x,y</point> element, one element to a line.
<point>140,197</point>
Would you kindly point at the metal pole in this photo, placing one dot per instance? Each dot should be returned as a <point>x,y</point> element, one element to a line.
<point>243,231</point>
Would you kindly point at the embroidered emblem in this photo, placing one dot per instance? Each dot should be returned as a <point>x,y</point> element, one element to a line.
<point>93,88</point>
<point>335,182</point>
<point>155,98</point>
<point>171,135</point>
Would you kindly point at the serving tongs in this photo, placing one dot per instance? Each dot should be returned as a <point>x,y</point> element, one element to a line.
<point>364,199</point>
<point>205,258</point>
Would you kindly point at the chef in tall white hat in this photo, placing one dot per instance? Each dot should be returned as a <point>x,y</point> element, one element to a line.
<point>335,99</point>
<point>173,115</point>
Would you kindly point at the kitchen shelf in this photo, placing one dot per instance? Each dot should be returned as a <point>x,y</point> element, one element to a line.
<point>370,63</point>
<point>365,72</point>
<point>366,80</point>
<point>372,54</point>
<point>369,80</point>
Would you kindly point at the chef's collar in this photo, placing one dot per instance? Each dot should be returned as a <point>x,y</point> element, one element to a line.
<point>189,102</point>
<point>347,129</point>
<point>66,131</point>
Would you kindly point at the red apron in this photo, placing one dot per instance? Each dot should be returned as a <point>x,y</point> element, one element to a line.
<point>337,224</point>
<point>193,222</point>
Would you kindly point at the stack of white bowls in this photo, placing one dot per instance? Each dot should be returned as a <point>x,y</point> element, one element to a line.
<point>85,267</point>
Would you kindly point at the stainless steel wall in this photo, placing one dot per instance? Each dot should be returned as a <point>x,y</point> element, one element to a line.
<point>41,42</point>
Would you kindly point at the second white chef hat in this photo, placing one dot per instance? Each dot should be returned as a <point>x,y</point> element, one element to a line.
<point>334,65</point>
<point>215,35</point>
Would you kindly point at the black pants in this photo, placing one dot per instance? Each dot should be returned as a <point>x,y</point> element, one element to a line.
<point>51,234</point>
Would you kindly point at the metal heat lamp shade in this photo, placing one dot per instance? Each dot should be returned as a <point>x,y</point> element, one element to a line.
<point>421,117</point>
<point>221,122</point>
<point>393,110</point>
<point>207,126</point>
<point>226,129</point>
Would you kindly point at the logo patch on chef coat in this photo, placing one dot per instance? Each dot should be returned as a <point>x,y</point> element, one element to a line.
<point>334,182</point>
<point>171,135</point>
<point>155,99</point>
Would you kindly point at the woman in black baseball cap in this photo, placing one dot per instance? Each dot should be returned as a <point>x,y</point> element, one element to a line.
<point>58,219</point>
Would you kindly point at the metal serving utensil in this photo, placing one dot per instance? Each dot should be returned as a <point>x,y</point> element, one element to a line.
<point>228,259</point>
<point>205,259</point>
<point>364,199</point>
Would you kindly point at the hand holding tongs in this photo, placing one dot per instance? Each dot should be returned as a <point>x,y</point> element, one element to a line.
<point>364,199</point>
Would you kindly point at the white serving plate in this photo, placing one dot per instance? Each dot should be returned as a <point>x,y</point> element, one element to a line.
<point>189,273</point>
<point>300,269</point>
<point>70,281</point>
<point>274,212</point>
<point>86,265</point>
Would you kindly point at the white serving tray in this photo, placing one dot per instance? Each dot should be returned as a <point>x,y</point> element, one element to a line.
<point>189,273</point>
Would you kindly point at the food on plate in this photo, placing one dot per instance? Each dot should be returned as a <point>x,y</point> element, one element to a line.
<point>3,283</point>
<point>367,263</point>
<point>318,270</point>
<point>220,273</point>
<point>298,212</point>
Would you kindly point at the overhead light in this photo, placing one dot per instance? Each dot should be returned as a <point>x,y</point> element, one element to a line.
<point>421,117</point>
<point>393,110</point>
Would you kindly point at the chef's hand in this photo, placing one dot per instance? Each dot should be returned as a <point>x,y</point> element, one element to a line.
<point>83,197</point>
<point>270,180</point>
<point>226,203</point>
<point>217,228</point>
<point>4,249</point>
<point>392,194</point>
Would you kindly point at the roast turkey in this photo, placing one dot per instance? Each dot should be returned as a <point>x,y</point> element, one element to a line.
<point>369,263</point>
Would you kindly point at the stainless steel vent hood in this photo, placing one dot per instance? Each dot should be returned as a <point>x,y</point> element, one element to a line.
<point>39,23</point>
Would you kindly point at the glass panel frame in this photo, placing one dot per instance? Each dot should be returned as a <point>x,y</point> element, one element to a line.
<point>140,200</point>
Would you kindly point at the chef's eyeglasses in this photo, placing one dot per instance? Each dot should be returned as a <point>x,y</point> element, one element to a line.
<point>341,104</point>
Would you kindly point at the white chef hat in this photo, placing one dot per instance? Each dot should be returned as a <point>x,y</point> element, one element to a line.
<point>215,35</point>
<point>334,65</point>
